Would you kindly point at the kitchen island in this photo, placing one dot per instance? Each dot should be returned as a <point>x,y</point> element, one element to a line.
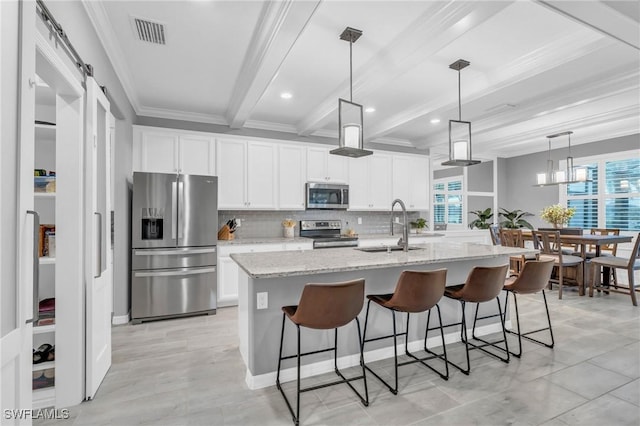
<point>282,276</point>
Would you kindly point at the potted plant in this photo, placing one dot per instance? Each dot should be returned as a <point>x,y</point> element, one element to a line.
<point>482,221</point>
<point>514,219</point>
<point>419,225</point>
<point>557,215</point>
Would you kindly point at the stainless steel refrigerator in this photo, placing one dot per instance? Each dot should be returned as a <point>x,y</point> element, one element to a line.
<point>174,235</point>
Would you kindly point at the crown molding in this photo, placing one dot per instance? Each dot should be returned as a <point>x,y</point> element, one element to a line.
<point>266,125</point>
<point>104,30</point>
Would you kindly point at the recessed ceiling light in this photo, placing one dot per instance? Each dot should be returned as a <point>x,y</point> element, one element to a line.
<point>286,95</point>
<point>435,120</point>
<point>370,109</point>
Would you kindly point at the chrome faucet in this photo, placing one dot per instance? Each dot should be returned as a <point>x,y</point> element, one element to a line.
<point>404,241</point>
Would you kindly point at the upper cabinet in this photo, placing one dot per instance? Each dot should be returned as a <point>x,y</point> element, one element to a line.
<point>246,175</point>
<point>410,181</point>
<point>370,182</point>
<point>325,167</point>
<point>291,176</point>
<point>171,151</point>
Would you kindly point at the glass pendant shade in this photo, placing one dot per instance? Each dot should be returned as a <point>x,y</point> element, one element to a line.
<point>581,174</point>
<point>350,140</point>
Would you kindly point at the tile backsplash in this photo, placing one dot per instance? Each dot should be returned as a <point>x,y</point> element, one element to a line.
<point>259,224</point>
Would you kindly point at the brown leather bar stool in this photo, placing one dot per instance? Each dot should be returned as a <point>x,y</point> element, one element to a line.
<point>533,278</point>
<point>415,292</point>
<point>324,307</point>
<point>483,284</point>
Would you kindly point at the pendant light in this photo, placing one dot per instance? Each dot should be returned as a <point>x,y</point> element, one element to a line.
<point>459,131</point>
<point>350,116</point>
<point>570,174</point>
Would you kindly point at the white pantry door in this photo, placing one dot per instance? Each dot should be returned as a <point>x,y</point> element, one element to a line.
<point>99,274</point>
<point>18,221</point>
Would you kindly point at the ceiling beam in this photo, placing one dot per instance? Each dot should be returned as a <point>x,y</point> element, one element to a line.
<point>281,24</point>
<point>439,25</point>
<point>600,17</point>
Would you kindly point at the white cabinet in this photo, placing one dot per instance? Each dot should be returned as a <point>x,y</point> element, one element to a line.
<point>291,177</point>
<point>246,175</point>
<point>410,181</point>
<point>322,166</point>
<point>370,182</point>
<point>172,151</point>
<point>228,270</point>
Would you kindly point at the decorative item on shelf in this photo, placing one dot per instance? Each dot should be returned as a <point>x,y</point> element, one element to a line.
<point>482,221</point>
<point>288,226</point>
<point>42,182</point>
<point>350,116</point>
<point>557,215</point>
<point>45,231</point>
<point>514,219</point>
<point>460,131</point>
<point>44,353</point>
<point>419,225</point>
<point>556,177</point>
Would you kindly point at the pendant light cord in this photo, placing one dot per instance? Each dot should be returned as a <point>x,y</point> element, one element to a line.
<point>351,68</point>
<point>459,99</point>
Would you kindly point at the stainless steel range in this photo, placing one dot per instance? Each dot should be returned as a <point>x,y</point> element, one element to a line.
<point>326,234</point>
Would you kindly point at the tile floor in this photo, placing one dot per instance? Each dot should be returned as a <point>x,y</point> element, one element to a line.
<point>189,372</point>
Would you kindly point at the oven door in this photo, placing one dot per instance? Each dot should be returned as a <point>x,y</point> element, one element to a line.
<point>327,196</point>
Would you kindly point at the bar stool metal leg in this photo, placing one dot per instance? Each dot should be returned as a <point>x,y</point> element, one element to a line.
<point>526,335</point>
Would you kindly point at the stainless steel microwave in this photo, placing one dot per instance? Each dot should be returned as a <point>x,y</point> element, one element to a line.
<point>327,196</point>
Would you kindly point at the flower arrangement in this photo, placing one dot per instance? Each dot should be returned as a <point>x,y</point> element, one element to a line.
<point>557,215</point>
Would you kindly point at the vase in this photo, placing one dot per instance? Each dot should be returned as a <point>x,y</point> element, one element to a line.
<point>288,231</point>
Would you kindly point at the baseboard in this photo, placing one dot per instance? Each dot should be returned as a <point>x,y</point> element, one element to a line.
<point>120,319</point>
<point>287,375</point>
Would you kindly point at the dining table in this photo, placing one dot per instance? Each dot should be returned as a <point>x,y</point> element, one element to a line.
<point>583,242</point>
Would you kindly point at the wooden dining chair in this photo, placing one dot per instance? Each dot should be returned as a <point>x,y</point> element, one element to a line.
<point>494,231</point>
<point>606,250</point>
<point>549,244</point>
<point>613,262</point>
<point>514,238</point>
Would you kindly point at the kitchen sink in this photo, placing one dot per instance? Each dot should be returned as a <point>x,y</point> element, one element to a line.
<point>379,249</point>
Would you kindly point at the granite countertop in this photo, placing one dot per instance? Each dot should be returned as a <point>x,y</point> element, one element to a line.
<point>307,262</point>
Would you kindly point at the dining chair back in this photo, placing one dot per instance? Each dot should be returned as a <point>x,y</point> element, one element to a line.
<point>549,244</point>
<point>613,262</point>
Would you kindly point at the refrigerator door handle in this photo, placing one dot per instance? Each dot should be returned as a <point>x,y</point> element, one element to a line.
<point>174,273</point>
<point>144,252</point>
<point>36,268</point>
<point>174,208</point>
<point>180,209</point>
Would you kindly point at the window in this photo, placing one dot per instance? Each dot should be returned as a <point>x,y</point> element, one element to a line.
<point>612,198</point>
<point>447,201</point>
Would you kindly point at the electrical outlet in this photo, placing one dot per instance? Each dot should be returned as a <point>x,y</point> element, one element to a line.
<point>262,300</point>
<point>397,219</point>
<point>238,223</point>
<point>359,221</point>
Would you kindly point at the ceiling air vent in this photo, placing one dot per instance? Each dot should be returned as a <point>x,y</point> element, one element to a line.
<point>149,31</point>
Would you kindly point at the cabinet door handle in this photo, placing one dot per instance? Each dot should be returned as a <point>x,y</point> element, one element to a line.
<point>99,241</point>
<point>36,267</point>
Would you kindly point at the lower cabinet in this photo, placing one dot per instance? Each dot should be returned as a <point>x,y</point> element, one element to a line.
<point>228,270</point>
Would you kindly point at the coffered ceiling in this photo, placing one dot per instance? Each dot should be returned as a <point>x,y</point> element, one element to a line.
<point>537,67</point>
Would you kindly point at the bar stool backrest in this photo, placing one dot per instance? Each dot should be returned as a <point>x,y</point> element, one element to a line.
<point>418,291</point>
<point>611,248</point>
<point>534,276</point>
<point>327,306</point>
<point>484,283</point>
